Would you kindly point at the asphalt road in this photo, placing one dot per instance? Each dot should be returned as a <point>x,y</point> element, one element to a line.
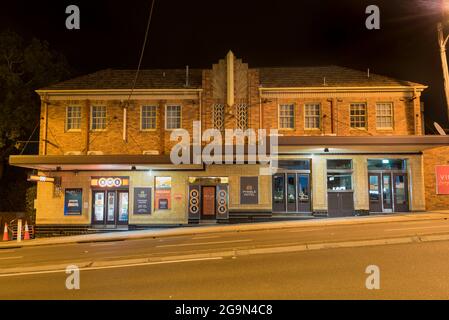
<point>416,270</point>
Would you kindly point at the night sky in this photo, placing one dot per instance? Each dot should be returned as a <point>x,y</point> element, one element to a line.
<point>263,33</point>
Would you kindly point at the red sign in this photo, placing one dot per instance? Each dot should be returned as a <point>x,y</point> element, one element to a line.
<point>442,175</point>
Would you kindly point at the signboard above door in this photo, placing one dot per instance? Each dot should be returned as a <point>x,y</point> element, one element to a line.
<point>109,182</point>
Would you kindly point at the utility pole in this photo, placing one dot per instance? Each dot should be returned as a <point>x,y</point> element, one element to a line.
<point>442,41</point>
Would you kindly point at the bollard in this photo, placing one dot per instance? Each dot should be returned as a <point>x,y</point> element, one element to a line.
<point>19,230</point>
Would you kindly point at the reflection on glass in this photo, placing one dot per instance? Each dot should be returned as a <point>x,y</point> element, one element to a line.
<point>291,189</point>
<point>303,188</point>
<point>111,206</point>
<point>399,186</point>
<point>374,188</point>
<point>278,192</point>
<point>339,182</point>
<point>339,164</point>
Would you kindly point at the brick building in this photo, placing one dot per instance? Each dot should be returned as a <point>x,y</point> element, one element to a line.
<point>349,142</point>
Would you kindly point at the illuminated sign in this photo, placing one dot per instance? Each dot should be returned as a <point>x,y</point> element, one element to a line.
<point>109,182</point>
<point>40,178</point>
<point>442,176</point>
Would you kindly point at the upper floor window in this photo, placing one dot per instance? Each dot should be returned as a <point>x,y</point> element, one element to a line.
<point>358,115</point>
<point>98,118</point>
<point>218,116</point>
<point>173,117</point>
<point>287,116</point>
<point>148,117</point>
<point>73,118</point>
<point>384,115</point>
<point>312,116</point>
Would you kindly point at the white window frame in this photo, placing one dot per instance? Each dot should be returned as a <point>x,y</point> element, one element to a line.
<point>391,104</point>
<point>294,116</point>
<point>155,117</point>
<point>366,115</point>
<point>92,117</point>
<point>315,104</point>
<point>166,116</point>
<point>67,129</point>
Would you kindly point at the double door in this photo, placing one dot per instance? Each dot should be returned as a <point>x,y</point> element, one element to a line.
<point>110,207</point>
<point>291,192</point>
<point>388,192</point>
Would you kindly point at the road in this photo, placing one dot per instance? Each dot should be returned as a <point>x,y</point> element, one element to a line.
<point>407,271</point>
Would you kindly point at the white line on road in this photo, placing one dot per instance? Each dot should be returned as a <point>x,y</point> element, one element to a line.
<point>6,258</point>
<point>204,237</point>
<point>108,267</point>
<point>201,243</point>
<point>416,228</point>
<point>308,230</point>
<point>7,251</point>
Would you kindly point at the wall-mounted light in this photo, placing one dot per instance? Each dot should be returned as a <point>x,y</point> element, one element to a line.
<point>326,150</point>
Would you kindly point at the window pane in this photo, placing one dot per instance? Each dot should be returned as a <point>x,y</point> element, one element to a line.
<point>386,164</point>
<point>287,116</point>
<point>339,164</point>
<point>73,118</point>
<point>173,117</point>
<point>358,115</point>
<point>98,118</point>
<point>148,117</point>
<point>384,115</point>
<point>294,164</point>
<point>312,116</point>
<point>339,182</point>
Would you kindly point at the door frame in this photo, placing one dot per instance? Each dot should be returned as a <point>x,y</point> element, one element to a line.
<point>392,174</point>
<point>105,223</point>
<point>297,174</point>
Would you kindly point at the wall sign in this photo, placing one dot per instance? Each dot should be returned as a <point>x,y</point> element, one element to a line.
<point>142,200</point>
<point>442,177</point>
<point>73,201</point>
<point>162,193</point>
<point>249,190</point>
<point>109,182</point>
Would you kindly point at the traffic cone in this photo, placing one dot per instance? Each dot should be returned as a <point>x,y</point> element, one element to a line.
<point>5,233</point>
<point>27,232</point>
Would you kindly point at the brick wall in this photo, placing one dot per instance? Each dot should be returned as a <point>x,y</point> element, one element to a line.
<point>432,158</point>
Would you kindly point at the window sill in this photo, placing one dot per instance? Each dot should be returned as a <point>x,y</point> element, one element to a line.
<point>73,131</point>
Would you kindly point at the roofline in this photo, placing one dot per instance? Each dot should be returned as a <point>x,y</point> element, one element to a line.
<point>93,91</point>
<point>340,88</point>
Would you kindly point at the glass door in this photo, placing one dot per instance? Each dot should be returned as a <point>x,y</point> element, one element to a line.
<point>374,189</point>
<point>304,193</point>
<point>98,207</point>
<point>279,192</point>
<point>123,205</point>
<point>111,207</point>
<point>291,192</point>
<point>387,193</point>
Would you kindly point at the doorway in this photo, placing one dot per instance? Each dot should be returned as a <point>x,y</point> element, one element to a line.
<point>291,193</point>
<point>208,203</point>
<point>388,192</point>
<point>110,208</point>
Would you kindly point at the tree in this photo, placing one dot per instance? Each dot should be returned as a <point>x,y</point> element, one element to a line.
<point>24,67</point>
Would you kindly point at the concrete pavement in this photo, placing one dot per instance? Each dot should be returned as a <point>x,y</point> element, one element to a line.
<point>181,231</point>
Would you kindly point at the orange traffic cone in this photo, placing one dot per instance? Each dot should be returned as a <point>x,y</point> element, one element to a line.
<point>27,232</point>
<point>5,233</point>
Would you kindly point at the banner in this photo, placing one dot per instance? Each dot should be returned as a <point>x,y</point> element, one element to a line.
<point>162,193</point>
<point>142,200</point>
<point>73,201</point>
<point>442,176</point>
<point>249,190</point>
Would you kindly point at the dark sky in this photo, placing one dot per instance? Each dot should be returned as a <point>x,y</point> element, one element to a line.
<point>263,33</point>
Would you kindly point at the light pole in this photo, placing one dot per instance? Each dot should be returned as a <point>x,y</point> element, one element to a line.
<point>442,41</point>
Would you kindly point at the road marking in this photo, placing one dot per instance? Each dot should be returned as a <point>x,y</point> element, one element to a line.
<point>201,243</point>
<point>7,251</point>
<point>108,267</point>
<point>102,244</point>
<point>6,258</point>
<point>308,230</point>
<point>416,228</point>
<point>204,237</point>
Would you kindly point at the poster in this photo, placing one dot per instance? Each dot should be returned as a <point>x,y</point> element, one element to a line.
<point>142,200</point>
<point>73,201</point>
<point>442,177</point>
<point>249,190</point>
<point>162,193</point>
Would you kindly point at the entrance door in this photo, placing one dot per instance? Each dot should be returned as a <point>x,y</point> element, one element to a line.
<point>304,193</point>
<point>387,192</point>
<point>279,193</point>
<point>110,208</point>
<point>400,192</point>
<point>291,192</point>
<point>374,189</point>
<point>208,203</point>
<point>340,204</point>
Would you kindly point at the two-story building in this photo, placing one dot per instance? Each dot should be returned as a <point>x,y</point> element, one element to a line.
<point>349,143</point>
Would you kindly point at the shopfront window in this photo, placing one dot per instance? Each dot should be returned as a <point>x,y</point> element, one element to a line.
<point>294,164</point>
<point>344,164</point>
<point>339,182</point>
<point>387,164</point>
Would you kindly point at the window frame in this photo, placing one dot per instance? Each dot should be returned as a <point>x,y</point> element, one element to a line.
<point>67,118</point>
<point>294,116</point>
<point>166,116</point>
<point>391,115</point>
<point>365,116</point>
<point>314,116</point>
<point>155,117</point>
<point>92,117</point>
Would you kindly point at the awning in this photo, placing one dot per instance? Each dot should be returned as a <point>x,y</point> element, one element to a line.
<point>359,144</point>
